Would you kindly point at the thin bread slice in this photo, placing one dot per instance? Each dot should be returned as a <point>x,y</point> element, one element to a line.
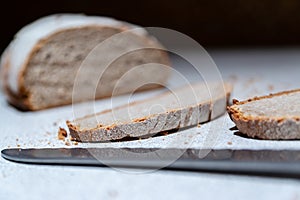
<point>40,65</point>
<point>178,108</point>
<point>273,117</point>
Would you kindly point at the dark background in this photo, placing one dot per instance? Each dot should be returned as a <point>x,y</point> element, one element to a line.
<point>212,23</point>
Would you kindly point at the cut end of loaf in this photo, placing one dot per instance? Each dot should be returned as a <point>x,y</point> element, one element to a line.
<point>273,117</point>
<point>45,77</point>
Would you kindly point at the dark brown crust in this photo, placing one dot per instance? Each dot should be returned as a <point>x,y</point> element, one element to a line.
<point>22,99</point>
<point>264,127</point>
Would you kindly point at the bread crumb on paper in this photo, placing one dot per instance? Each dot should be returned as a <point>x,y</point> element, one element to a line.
<point>62,134</point>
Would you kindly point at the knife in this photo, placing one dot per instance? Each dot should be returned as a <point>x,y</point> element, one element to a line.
<point>278,163</point>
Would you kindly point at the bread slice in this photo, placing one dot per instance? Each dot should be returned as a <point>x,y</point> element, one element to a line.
<point>40,65</point>
<point>178,108</point>
<point>274,117</point>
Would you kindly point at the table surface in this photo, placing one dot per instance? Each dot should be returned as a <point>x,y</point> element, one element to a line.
<point>253,72</point>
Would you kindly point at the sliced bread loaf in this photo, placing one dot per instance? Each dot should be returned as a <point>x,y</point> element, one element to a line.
<point>276,116</point>
<point>40,65</point>
<point>178,108</point>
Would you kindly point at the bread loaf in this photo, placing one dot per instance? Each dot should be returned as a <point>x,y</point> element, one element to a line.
<point>40,65</point>
<point>274,117</point>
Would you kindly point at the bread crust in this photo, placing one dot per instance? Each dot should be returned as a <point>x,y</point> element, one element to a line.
<point>263,127</point>
<point>15,99</point>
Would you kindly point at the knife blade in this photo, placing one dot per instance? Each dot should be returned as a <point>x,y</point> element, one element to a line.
<point>279,163</point>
